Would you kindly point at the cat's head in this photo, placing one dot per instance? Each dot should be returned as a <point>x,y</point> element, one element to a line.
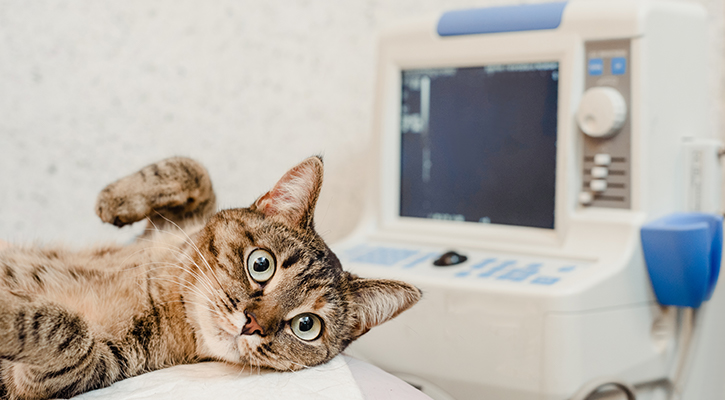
<point>266,290</point>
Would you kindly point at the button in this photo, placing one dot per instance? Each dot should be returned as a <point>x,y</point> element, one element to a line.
<point>449,258</point>
<point>599,172</point>
<point>602,159</point>
<point>483,263</point>
<point>517,275</point>
<point>545,280</point>
<point>598,185</point>
<point>619,66</point>
<point>596,66</point>
<point>586,198</point>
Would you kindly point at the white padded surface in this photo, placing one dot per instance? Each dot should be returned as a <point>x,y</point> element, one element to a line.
<point>212,380</point>
<point>343,378</point>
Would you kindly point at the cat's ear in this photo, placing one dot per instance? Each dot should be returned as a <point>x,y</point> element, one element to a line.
<point>379,300</point>
<point>294,196</point>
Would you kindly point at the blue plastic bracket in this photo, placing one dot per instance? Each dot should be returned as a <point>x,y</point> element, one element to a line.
<point>683,253</point>
<point>523,17</point>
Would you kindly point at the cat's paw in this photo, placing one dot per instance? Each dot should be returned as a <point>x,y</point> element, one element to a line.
<point>173,190</point>
<point>117,206</point>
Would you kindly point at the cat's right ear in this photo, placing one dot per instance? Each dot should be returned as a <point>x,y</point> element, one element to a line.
<point>294,196</point>
<point>379,300</point>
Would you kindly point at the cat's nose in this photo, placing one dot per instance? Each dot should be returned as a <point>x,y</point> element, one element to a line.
<point>252,327</point>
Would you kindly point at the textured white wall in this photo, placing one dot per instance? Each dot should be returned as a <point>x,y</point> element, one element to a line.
<point>91,90</point>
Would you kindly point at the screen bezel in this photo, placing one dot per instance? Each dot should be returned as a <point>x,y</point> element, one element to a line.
<point>435,52</point>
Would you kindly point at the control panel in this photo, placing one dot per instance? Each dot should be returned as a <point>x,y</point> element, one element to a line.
<point>604,122</point>
<point>472,266</point>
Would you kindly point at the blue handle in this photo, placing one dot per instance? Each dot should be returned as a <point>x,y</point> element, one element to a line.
<point>683,252</point>
<point>522,17</point>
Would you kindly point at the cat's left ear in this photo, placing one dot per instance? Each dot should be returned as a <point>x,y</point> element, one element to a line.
<point>379,300</point>
<point>294,196</point>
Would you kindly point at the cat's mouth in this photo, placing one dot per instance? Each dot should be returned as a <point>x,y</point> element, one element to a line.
<point>232,324</point>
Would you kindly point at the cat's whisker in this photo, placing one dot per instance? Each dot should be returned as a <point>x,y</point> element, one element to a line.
<point>206,280</point>
<point>190,288</point>
<point>192,244</point>
<point>301,365</point>
<point>203,279</point>
<point>200,276</point>
<point>186,301</point>
<point>188,240</point>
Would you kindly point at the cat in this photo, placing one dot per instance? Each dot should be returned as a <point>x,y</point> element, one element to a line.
<point>255,286</point>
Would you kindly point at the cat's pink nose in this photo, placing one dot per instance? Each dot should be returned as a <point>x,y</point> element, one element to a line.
<point>252,327</point>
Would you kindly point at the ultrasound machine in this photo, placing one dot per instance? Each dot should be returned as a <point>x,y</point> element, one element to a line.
<point>547,175</point>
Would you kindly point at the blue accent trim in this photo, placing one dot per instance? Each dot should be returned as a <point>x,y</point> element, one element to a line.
<point>525,17</point>
<point>683,252</point>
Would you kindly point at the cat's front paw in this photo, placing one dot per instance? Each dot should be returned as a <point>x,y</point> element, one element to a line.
<point>119,207</point>
<point>170,190</point>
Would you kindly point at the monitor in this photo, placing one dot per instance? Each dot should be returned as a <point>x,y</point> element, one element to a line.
<point>478,144</point>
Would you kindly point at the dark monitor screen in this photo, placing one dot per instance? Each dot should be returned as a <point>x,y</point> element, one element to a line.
<point>479,144</point>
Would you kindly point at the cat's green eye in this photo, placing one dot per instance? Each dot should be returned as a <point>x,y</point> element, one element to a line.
<point>261,265</point>
<point>306,326</point>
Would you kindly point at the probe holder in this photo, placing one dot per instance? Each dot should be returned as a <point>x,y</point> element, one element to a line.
<point>682,252</point>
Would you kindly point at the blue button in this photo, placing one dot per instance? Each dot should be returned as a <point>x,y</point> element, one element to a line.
<point>517,275</point>
<point>497,268</point>
<point>619,66</point>
<point>463,274</point>
<point>596,66</point>
<point>568,268</point>
<point>483,263</point>
<point>545,280</point>
<point>419,260</point>
<point>489,273</point>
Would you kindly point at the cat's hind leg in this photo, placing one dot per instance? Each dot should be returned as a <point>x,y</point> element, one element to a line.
<point>172,191</point>
<point>48,351</point>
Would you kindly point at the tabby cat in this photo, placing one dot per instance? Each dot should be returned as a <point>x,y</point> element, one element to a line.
<point>254,286</point>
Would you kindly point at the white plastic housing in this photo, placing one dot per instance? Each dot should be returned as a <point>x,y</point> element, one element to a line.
<point>505,339</point>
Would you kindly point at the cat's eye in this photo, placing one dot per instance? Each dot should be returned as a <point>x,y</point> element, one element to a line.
<point>261,265</point>
<point>306,326</point>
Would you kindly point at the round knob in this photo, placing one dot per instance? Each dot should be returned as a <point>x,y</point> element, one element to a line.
<point>602,112</point>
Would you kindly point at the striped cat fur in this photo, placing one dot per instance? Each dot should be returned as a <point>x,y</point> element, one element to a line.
<point>254,286</point>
